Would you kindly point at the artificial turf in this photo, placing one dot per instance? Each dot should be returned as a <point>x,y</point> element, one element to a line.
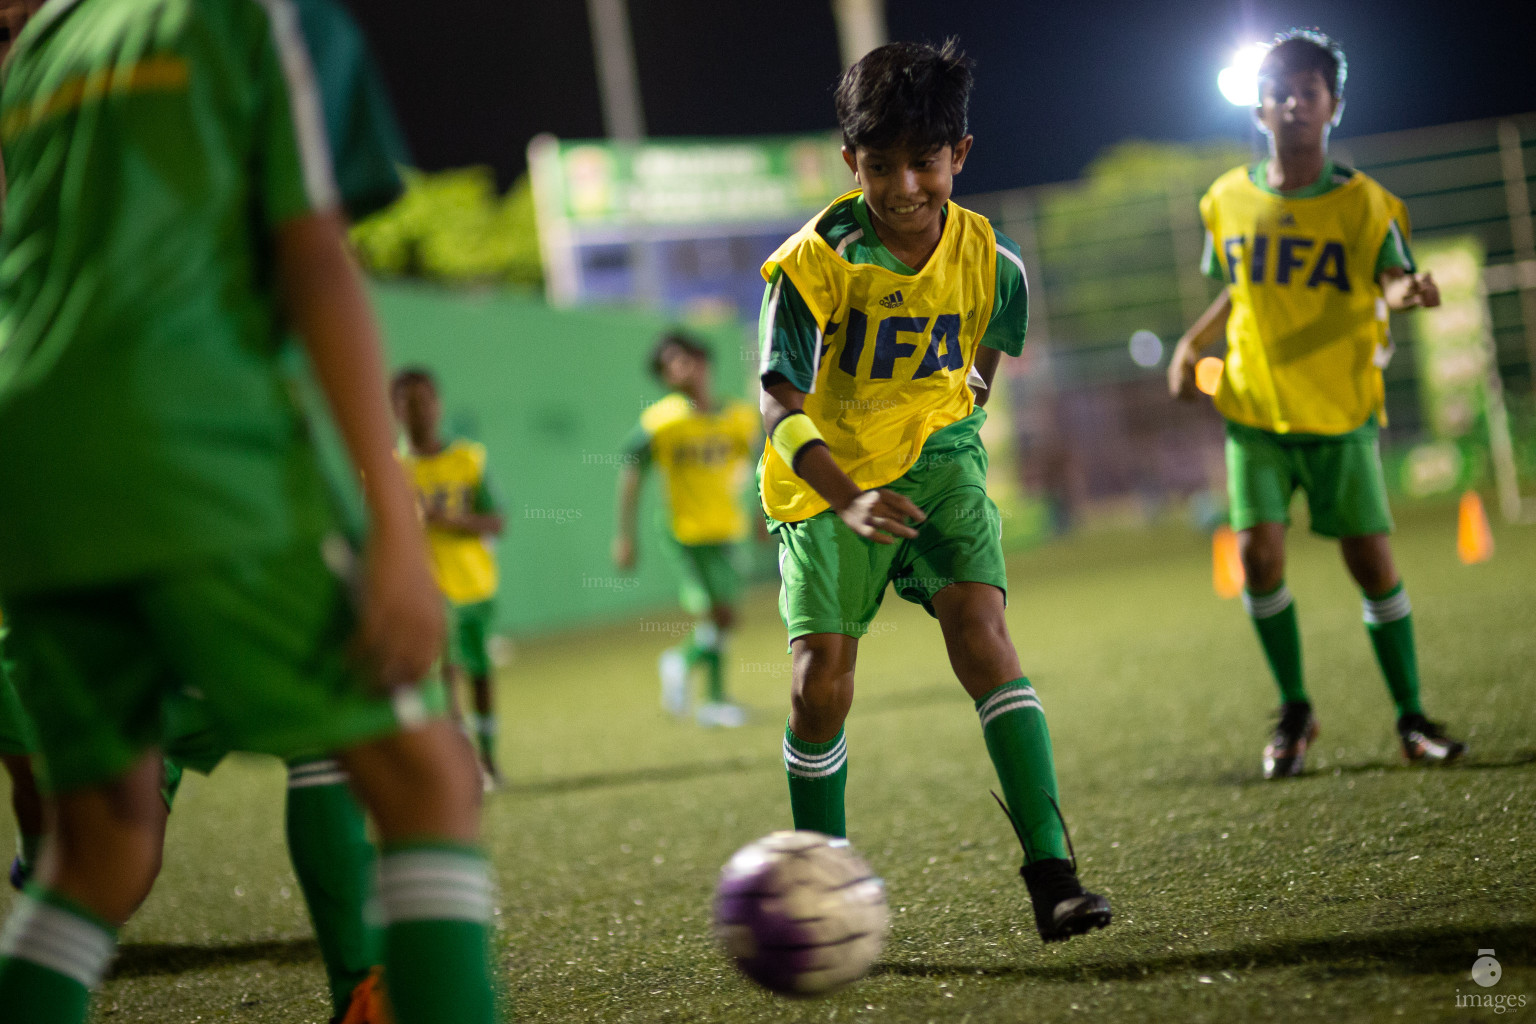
<point>1362,891</point>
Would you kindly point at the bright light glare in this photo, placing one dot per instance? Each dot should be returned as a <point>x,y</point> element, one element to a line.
<point>1146,348</point>
<point>1208,374</point>
<point>1239,82</point>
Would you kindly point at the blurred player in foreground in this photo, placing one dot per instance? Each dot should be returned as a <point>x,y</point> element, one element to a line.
<point>139,374</point>
<point>463,518</point>
<point>17,745</point>
<point>702,446</point>
<point>1313,254</point>
<point>875,316</point>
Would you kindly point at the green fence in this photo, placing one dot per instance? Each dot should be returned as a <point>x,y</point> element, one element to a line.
<point>552,394</point>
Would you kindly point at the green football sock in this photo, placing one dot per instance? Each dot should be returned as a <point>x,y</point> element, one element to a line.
<point>26,849</point>
<point>437,902</point>
<point>715,677</point>
<point>818,774</point>
<point>1389,622</point>
<point>484,727</point>
<point>1013,724</point>
<point>333,860</point>
<point>1274,618</point>
<point>52,955</point>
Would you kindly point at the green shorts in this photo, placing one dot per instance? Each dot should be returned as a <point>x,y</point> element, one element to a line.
<point>709,575</point>
<point>1346,491</point>
<point>833,580</point>
<point>257,646</point>
<point>470,633</point>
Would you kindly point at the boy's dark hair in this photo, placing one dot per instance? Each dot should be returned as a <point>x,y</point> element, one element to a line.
<point>905,94</point>
<point>1306,49</point>
<point>687,342</point>
<point>412,375</point>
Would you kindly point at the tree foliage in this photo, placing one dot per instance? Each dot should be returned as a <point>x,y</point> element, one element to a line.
<point>452,227</point>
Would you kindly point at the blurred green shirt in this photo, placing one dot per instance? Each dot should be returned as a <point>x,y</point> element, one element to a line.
<point>153,148</point>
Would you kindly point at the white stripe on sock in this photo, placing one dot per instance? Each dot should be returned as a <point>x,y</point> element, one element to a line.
<point>434,885</point>
<point>800,757</point>
<point>1388,609</point>
<point>58,941</point>
<point>815,766</point>
<point>316,773</point>
<point>1007,693</point>
<point>317,779</point>
<point>1015,705</point>
<point>1269,605</point>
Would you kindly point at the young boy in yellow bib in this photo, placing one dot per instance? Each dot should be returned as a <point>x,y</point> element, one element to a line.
<point>1313,255</point>
<point>877,315</point>
<point>704,448</point>
<point>463,520</point>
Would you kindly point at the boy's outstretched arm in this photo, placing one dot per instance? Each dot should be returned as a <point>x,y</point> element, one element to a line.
<point>877,515</point>
<point>628,513</point>
<point>477,524</point>
<point>401,630</point>
<point>1404,290</point>
<point>1206,332</point>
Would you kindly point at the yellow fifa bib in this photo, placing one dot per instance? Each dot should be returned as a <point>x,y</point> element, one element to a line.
<point>1308,317</point>
<point>892,356</point>
<point>704,458</point>
<point>465,566</point>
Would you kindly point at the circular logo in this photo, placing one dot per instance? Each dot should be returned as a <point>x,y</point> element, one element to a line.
<point>1486,970</point>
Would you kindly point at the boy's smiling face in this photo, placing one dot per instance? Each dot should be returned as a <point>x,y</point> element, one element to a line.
<point>1297,109</point>
<point>906,189</point>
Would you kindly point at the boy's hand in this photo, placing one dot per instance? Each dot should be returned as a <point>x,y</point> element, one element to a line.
<point>1417,290</point>
<point>402,627</point>
<point>624,553</point>
<point>881,516</point>
<point>1181,372</point>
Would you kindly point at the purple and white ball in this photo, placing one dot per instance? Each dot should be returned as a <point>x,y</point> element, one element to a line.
<point>800,913</point>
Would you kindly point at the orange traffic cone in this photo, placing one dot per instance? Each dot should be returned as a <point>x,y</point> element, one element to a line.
<point>1474,540</point>
<point>1226,564</point>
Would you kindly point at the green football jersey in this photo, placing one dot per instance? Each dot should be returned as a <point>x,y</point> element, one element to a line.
<point>154,146</point>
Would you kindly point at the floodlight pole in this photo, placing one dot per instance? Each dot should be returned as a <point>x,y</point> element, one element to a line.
<point>624,118</point>
<point>860,27</point>
<point>617,79</point>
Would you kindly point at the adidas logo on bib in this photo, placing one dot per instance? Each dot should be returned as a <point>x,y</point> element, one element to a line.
<point>892,300</point>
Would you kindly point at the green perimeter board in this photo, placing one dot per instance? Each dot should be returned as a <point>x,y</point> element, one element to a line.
<point>552,394</point>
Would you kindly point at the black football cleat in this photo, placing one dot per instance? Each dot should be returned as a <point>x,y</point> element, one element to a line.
<point>1426,742</point>
<point>1286,754</point>
<point>1063,908</point>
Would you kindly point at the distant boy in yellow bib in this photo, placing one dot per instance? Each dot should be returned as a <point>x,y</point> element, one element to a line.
<point>703,448</point>
<point>1313,254</point>
<point>463,519</point>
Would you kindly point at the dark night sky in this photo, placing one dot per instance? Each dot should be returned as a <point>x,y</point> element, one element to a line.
<point>1056,82</point>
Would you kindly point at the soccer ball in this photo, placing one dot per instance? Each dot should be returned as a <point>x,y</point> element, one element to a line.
<point>800,913</point>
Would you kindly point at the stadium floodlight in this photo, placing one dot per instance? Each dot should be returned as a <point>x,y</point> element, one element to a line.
<point>1239,81</point>
<point>1146,348</point>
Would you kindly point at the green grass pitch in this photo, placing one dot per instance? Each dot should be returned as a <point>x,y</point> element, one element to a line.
<point>1362,891</point>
